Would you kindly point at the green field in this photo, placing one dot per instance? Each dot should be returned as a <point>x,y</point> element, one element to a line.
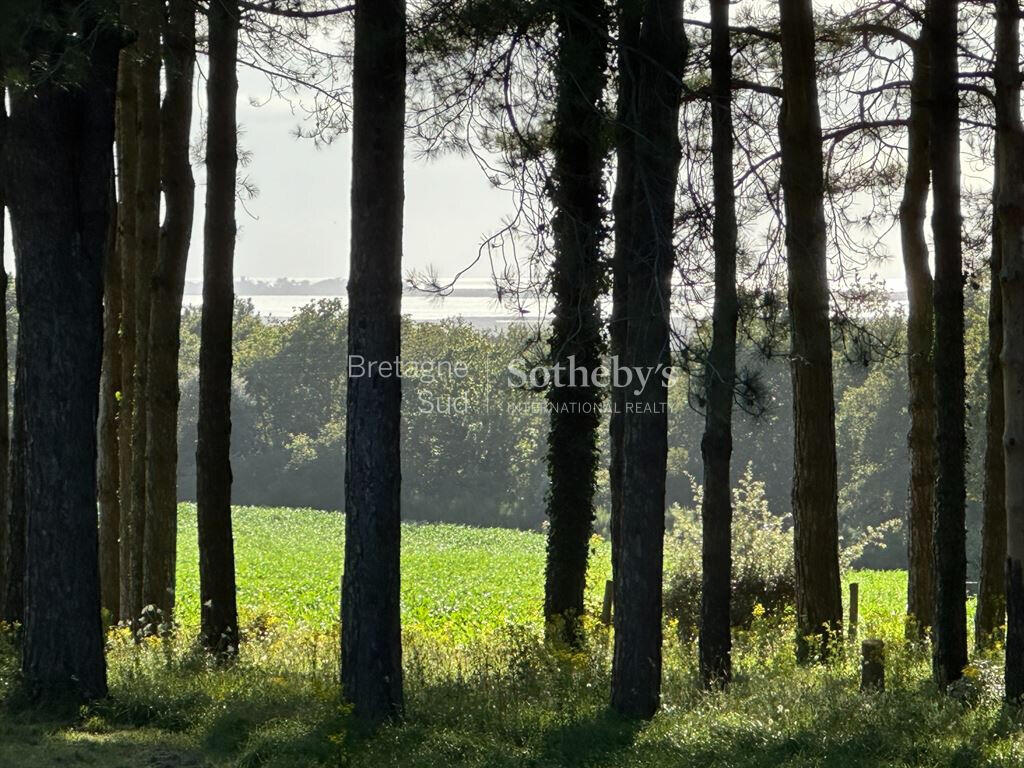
<point>457,581</point>
<point>482,689</point>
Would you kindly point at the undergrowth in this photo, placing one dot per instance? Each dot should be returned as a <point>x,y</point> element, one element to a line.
<point>496,695</point>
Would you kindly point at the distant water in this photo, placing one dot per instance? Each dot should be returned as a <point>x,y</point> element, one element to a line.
<point>473,300</point>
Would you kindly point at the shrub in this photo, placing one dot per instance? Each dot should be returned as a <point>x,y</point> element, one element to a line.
<point>763,572</point>
<point>762,558</point>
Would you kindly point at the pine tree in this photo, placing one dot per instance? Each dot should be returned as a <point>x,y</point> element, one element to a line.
<point>578,279</point>
<point>652,78</point>
<point>371,639</point>
<point>815,494</point>
<point>217,595</point>
<point>950,629</point>
<point>720,373</point>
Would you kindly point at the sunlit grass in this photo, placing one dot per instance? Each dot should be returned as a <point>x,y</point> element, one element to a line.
<point>456,580</point>
<point>482,688</point>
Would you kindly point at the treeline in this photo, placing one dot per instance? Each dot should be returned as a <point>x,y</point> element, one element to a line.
<point>473,446</point>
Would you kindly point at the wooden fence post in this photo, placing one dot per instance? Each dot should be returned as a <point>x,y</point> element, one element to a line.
<point>872,665</point>
<point>606,607</point>
<point>854,609</point>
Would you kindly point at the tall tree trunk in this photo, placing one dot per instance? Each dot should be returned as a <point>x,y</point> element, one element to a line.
<point>990,611</point>
<point>147,238</point>
<point>819,605</point>
<point>107,462</point>
<point>59,165</point>
<point>5,437</point>
<point>130,565</point>
<point>12,607</point>
<point>628,19</point>
<point>12,518</point>
<point>165,309</point>
<point>720,373</point>
<point>920,318</point>
<point>950,629</point>
<point>578,279</point>
<point>656,90</point>
<point>1010,207</point>
<point>12,527</point>
<point>213,445</point>
<point>4,418</point>
<point>371,640</point>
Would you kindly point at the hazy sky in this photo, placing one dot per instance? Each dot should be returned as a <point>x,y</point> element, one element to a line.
<point>298,225</point>
<point>299,222</point>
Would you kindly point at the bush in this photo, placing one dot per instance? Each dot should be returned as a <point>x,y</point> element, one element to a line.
<point>763,572</point>
<point>762,559</point>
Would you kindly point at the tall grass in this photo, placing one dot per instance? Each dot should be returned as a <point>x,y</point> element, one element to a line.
<point>482,687</point>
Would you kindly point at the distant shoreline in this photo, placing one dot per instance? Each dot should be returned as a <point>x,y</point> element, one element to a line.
<point>336,287</point>
<point>473,300</point>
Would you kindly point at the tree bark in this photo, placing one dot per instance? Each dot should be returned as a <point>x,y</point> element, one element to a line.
<point>4,415</point>
<point>107,463</point>
<point>130,562</point>
<point>147,238</point>
<point>950,630</point>
<point>720,374</point>
<point>990,611</point>
<point>622,206</point>
<point>59,167</point>
<point>165,309</point>
<point>578,279</point>
<point>656,93</point>
<point>12,608</point>
<point>920,320</point>
<point>5,523</point>
<point>371,641</point>
<point>213,445</point>
<point>819,605</point>
<point>1010,209</point>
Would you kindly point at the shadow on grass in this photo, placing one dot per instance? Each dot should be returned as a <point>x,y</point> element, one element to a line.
<point>40,745</point>
<point>598,739</point>
<point>888,731</point>
<point>532,709</point>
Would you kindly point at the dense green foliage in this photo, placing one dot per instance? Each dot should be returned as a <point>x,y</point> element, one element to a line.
<point>481,462</point>
<point>482,688</point>
<point>471,449</point>
<point>763,570</point>
<point>763,573</point>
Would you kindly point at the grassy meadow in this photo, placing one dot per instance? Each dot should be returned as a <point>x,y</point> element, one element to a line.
<point>482,689</point>
<point>457,582</point>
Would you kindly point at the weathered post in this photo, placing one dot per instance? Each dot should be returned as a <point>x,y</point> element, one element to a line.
<point>606,607</point>
<point>854,609</point>
<point>872,665</point>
